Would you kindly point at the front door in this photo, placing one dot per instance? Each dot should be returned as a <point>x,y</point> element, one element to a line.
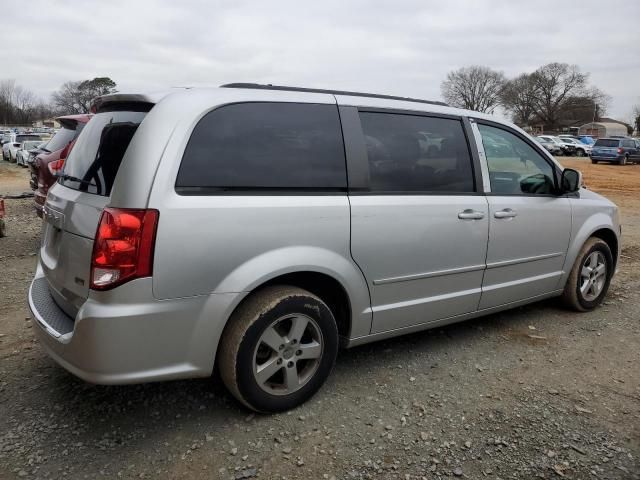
<point>529,226</point>
<point>419,231</point>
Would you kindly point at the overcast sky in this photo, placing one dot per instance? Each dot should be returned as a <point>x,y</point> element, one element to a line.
<point>395,47</point>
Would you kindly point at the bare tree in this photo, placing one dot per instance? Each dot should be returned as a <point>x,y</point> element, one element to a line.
<point>7,89</point>
<point>636,118</point>
<point>474,88</point>
<point>24,102</point>
<point>76,97</point>
<point>519,97</point>
<point>556,83</point>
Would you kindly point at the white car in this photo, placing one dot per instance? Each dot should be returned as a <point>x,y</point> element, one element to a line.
<point>10,149</point>
<point>22,154</point>
<point>582,149</point>
<point>566,148</point>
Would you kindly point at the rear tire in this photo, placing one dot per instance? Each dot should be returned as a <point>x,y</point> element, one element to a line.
<point>278,348</point>
<point>594,161</point>
<point>624,160</point>
<point>590,276</point>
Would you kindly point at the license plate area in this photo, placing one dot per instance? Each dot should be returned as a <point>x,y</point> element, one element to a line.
<point>52,235</point>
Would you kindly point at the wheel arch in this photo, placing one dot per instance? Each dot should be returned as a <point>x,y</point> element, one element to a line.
<point>599,226</point>
<point>332,276</point>
<point>611,239</point>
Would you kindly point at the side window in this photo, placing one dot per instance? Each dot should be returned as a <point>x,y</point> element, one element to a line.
<point>514,166</point>
<point>411,153</point>
<point>265,145</point>
<point>628,143</point>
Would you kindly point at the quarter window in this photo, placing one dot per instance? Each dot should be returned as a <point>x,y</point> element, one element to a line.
<point>265,146</point>
<point>411,153</point>
<point>515,167</point>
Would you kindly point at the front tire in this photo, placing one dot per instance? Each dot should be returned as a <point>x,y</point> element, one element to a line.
<point>580,152</point>
<point>278,348</point>
<point>590,276</point>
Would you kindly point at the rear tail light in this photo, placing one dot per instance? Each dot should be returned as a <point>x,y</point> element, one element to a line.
<point>123,248</point>
<point>55,167</point>
<point>620,150</point>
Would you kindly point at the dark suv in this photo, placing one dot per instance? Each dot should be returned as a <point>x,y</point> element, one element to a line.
<point>615,150</point>
<point>51,159</point>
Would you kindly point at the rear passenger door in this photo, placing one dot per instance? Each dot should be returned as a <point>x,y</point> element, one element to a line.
<point>418,226</point>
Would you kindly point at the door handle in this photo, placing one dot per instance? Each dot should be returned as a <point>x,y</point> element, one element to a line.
<point>506,213</point>
<point>469,214</point>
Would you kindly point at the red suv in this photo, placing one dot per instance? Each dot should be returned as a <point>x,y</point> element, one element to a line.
<point>51,159</point>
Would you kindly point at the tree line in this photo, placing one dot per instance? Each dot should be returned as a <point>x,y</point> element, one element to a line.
<point>20,106</point>
<point>553,96</point>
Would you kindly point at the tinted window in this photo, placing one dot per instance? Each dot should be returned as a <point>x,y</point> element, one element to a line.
<point>60,140</point>
<point>628,143</point>
<point>515,167</point>
<point>24,138</point>
<point>265,145</point>
<point>410,153</point>
<point>605,142</point>
<point>96,156</point>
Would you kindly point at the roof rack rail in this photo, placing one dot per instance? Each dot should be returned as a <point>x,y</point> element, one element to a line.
<point>259,86</point>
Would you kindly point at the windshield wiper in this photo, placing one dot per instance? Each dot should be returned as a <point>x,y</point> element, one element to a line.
<point>64,176</point>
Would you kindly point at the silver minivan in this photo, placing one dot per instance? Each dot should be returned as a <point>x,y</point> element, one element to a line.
<point>255,229</point>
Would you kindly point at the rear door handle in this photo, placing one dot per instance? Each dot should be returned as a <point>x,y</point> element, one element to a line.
<point>469,214</point>
<point>506,213</point>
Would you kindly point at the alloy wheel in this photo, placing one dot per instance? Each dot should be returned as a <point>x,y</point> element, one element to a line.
<point>593,276</point>
<point>288,354</point>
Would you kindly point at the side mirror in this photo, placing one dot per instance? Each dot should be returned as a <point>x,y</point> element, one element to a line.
<point>570,180</point>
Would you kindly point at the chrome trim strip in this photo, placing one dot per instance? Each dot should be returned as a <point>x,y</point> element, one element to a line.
<point>420,301</point>
<point>513,283</point>
<point>437,273</point>
<point>516,261</point>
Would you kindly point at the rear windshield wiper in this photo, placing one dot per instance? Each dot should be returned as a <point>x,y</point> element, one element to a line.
<point>64,176</point>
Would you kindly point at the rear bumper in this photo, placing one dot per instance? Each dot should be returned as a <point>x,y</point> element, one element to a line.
<point>126,336</point>
<point>606,159</point>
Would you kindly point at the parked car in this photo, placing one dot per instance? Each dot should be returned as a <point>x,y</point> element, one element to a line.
<point>566,148</point>
<point>254,229</point>
<point>22,155</point>
<point>615,150</point>
<point>5,136</point>
<point>49,163</point>
<point>10,149</point>
<point>552,147</point>
<point>581,149</point>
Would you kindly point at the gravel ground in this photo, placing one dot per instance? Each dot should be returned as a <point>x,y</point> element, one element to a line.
<point>537,392</point>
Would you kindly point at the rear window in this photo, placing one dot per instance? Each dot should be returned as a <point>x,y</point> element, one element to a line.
<point>61,139</point>
<point>605,142</point>
<point>253,146</point>
<point>24,138</point>
<point>96,156</point>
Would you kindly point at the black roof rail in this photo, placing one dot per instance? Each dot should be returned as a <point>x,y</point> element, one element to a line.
<point>259,86</point>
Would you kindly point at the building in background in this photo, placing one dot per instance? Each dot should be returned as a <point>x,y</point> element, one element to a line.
<point>605,128</point>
